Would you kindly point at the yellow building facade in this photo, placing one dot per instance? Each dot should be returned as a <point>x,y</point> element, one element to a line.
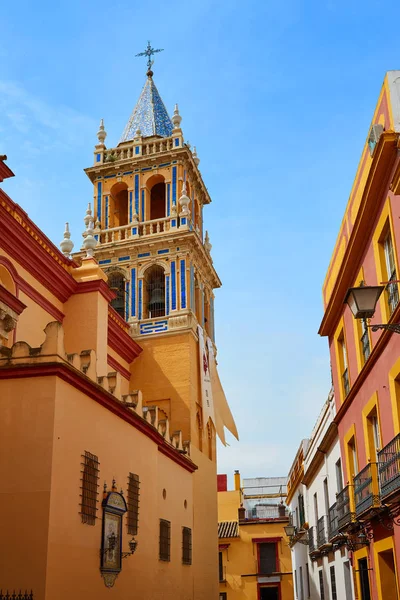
<point>254,553</point>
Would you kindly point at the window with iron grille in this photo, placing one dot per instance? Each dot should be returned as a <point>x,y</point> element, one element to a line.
<point>186,546</point>
<point>333,584</point>
<point>301,511</point>
<point>392,289</point>
<point>133,504</point>
<point>89,488</point>
<point>165,540</point>
<point>221,567</point>
<point>321,586</point>
<point>267,558</point>
<point>308,581</point>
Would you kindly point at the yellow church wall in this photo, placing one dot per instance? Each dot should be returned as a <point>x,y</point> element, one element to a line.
<point>27,417</point>
<point>32,322</point>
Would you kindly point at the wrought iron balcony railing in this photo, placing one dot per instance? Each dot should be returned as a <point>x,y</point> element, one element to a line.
<point>321,532</point>
<point>333,524</point>
<point>343,507</point>
<point>389,467</point>
<point>311,540</point>
<point>366,489</point>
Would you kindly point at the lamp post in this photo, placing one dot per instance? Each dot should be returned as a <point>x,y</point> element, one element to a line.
<point>362,302</point>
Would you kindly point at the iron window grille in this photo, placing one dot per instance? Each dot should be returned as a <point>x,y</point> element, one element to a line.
<point>267,556</point>
<point>133,504</point>
<point>16,595</point>
<point>89,488</point>
<point>321,586</point>
<point>186,546</point>
<point>333,583</point>
<point>165,540</point>
<point>116,282</point>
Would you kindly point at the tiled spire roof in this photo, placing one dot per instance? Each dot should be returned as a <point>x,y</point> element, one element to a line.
<point>149,114</point>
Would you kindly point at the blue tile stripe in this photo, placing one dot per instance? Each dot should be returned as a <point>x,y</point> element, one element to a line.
<point>123,258</point>
<point>192,307</point>
<point>168,199</point>
<point>167,293</point>
<point>174,185</point>
<point>173,285</point>
<point>99,189</point>
<point>106,212</point>
<point>143,254</point>
<point>106,261</point>
<point>140,298</point>
<point>126,300</point>
<point>137,194</point>
<point>133,292</point>
<point>163,251</point>
<point>183,283</point>
<point>143,213</point>
<point>130,208</point>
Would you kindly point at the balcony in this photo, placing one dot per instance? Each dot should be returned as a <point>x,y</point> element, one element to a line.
<point>366,489</point>
<point>389,468</point>
<point>343,507</point>
<point>263,513</point>
<point>311,540</point>
<point>322,537</point>
<point>333,522</point>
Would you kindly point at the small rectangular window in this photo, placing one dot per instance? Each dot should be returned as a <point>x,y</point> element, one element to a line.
<point>321,585</point>
<point>223,596</point>
<point>221,567</point>
<point>392,289</point>
<point>295,583</point>
<point>301,583</point>
<point>165,540</point>
<point>267,557</point>
<point>339,476</point>
<point>301,511</point>
<point>344,365</point>
<point>308,581</point>
<point>186,546</point>
<point>89,488</point>
<point>333,584</point>
<point>364,340</point>
<point>133,504</point>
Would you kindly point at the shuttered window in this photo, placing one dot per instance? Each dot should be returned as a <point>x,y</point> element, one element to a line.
<point>186,546</point>
<point>267,558</point>
<point>89,488</point>
<point>133,504</point>
<point>165,540</point>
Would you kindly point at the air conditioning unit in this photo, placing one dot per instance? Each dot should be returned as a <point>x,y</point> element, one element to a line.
<point>374,135</point>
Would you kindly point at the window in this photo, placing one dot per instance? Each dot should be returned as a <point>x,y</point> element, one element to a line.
<point>186,546</point>
<point>223,596</point>
<point>339,476</point>
<point>333,584</point>
<point>157,201</point>
<point>392,289</point>
<point>308,581</point>
<point>133,503</point>
<point>364,340</point>
<point>267,558</point>
<point>316,508</point>
<point>221,568</point>
<point>352,453</point>
<point>270,592</point>
<point>301,583</point>
<point>89,488</point>
<point>295,583</point>
<point>343,365</point>
<point>321,585</point>
<point>165,540</point>
<point>116,283</point>
<point>154,300</point>
<point>301,511</point>
<point>374,438</point>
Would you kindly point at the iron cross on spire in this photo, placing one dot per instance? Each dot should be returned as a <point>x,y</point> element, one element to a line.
<point>149,53</point>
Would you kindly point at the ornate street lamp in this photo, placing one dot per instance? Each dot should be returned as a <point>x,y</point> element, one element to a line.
<point>362,302</point>
<point>290,530</point>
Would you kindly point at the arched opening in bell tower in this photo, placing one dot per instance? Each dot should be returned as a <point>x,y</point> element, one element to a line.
<point>119,204</point>
<point>156,186</point>
<point>116,282</point>
<point>154,292</point>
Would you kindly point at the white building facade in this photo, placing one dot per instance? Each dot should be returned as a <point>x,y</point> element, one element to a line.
<point>322,567</point>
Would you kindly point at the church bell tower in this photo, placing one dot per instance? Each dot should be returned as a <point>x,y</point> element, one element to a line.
<point>149,197</point>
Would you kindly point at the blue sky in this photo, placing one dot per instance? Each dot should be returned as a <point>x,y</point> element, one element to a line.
<point>277,98</point>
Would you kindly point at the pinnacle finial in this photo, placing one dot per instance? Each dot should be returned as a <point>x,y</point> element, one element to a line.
<point>89,241</point>
<point>207,245</point>
<point>176,119</point>
<point>101,134</point>
<point>184,202</point>
<point>67,244</point>
<point>195,157</point>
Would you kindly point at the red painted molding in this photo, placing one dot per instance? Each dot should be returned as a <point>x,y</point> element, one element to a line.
<point>98,394</point>
<point>37,297</point>
<point>223,546</point>
<point>34,250</point>
<point>97,285</point>
<point>10,300</point>
<point>120,341</point>
<point>117,317</point>
<point>118,367</point>
<point>266,540</point>
<point>5,171</point>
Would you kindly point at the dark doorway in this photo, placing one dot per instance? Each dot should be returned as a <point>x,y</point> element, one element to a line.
<point>387,577</point>
<point>364,579</point>
<point>269,593</point>
<point>157,201</point>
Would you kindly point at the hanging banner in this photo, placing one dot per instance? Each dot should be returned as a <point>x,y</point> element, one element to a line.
<point>205,379</point>
<point>223,413</point>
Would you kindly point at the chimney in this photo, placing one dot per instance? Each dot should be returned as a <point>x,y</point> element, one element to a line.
<point>237,480</point>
